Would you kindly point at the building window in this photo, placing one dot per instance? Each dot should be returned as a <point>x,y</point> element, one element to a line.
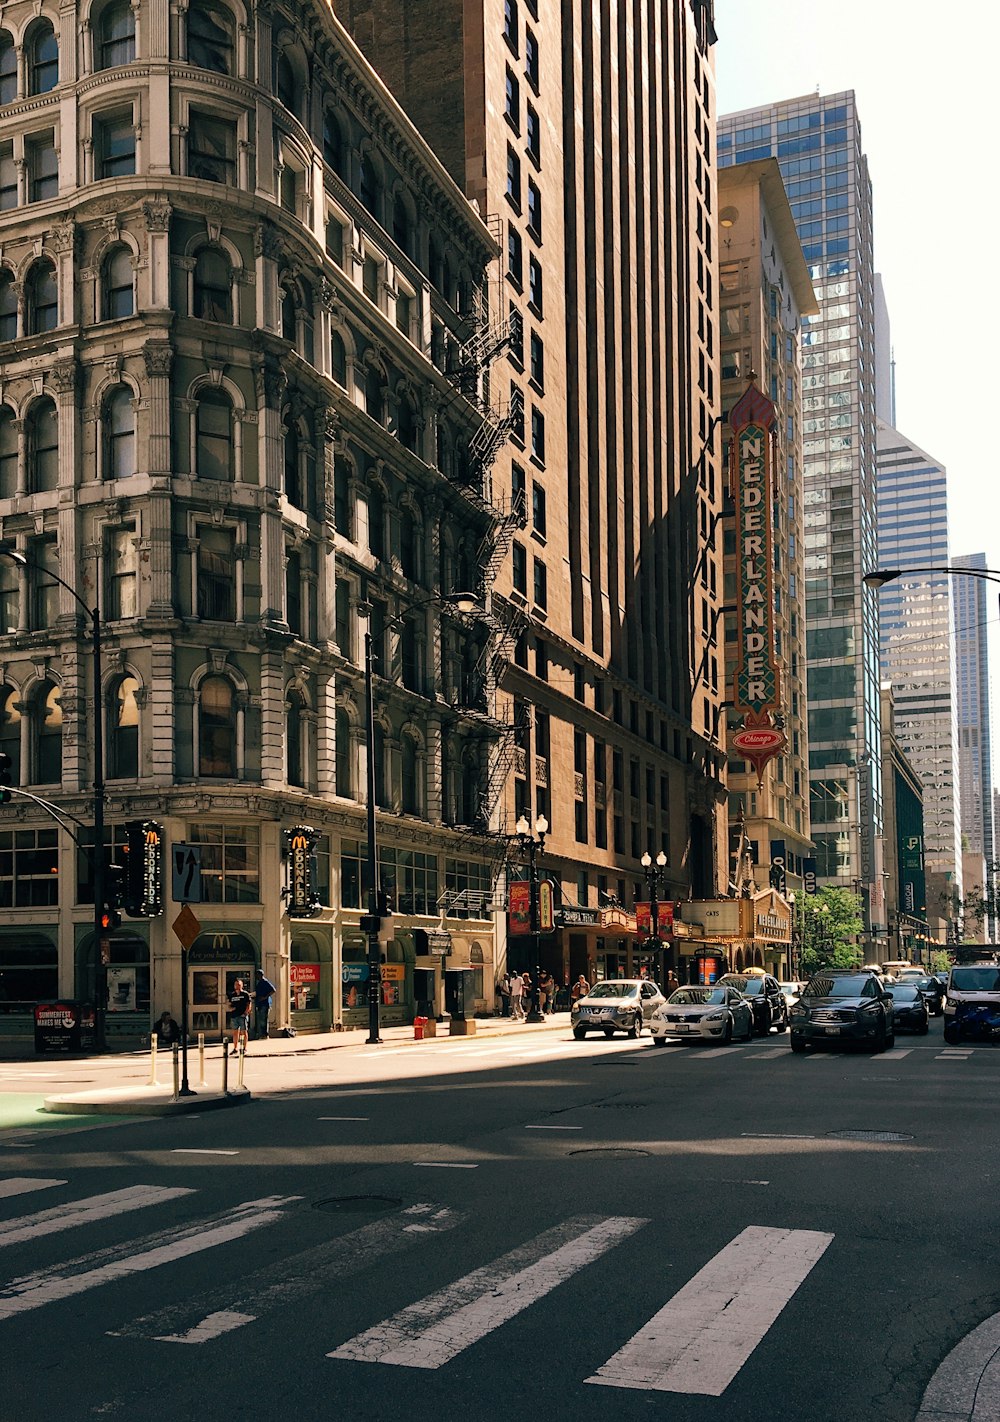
<point>512,109</point>
<point>114,144</point>
<point>513,178</point>
<point>538,518</point>
<point>376,521</point>
<point>8,68</point>
<point>230,862</point>
<point>535,285</point>
<point>531,59</point>
<point>537,358</point>
<point>116,35</point>
<point>214,436</point>
<point>8,178</point>
<point>338,360</point>
<point>518,492</point>
<point>43,60</point>
<point>375,395</point>
<point>533,137</point>
<point>119,285</point>
<point>217,729</point>
<point>295,726</point>
<point>212,287</point>
<point>43,588</point>
<point>43,167</point>
<point>541,584</point>
<point>342,510</point>
<point>43,447</point>
<point>119,434</point>
<point>293,472</point>
<point>515,268</point>
<point>10,729</point>
<point>517,414</point>
<point>121,572</point>
<point>402,225</point>
<point>368,184</point>
<point>29,878</point>
<point>47,724</point>
<point>345,776</point>
<point>123,728</point>
<point>537,435</point>
<point>333,143</point>
<point>8,465</point>
<point>510,23</point>
<point>216,571</point>
<point>519,568</point>
<point>8,308</point>
<point>211,36</point>
<point>534,210</point>
<point>211,149</point>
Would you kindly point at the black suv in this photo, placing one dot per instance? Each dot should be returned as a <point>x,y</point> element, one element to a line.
<point>843,1005</point>
<point>770,1006</point>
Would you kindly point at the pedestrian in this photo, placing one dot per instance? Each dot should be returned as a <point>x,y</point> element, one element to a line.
<point>517,997</point>
<point>166,1031</point>
<point>671,985</point>
<point>580,988</point>
<point>530,992</point>
<point>263,995</point>
<point>505,995</point>
<point>239,1014</point>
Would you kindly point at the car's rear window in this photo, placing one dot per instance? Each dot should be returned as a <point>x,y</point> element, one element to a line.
<point>903,992</point>
<point>975,979</point>
<point>823,986</point>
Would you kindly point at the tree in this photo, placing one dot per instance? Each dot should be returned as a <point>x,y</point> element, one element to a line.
<point>829,924</point>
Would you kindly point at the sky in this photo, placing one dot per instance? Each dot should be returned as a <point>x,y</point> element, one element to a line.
<point>928,94</point>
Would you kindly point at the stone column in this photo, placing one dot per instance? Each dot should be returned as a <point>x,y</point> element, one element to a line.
<point>158,357</point>
<point>156,214</point>
<point>271,382</point>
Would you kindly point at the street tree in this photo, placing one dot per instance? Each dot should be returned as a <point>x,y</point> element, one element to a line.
<point>830,925</point>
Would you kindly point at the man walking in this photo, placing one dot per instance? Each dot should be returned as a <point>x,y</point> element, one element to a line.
<point>239,1010</point>
<point>516,997</point>
<point>263,995</point>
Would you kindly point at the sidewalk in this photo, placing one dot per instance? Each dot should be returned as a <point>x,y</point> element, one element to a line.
<point>125,1088</point>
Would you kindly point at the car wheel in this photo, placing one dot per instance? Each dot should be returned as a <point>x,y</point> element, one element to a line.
<point>797,1044</point>
<point>579,1033</point>
<point>749,1035</point>
<point>636,1029</point>
<point>659,1041</point>
<point>727,1036</point>
<point>765,1022</point>
<point>925,1028</point>
<point>890,1041</point>
<point>952,1033</point>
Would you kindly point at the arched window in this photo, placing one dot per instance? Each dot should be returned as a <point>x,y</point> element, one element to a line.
<point>211,36</point>
<point>48,726</point>
<point>333,143</point>
<point>401,229</point>
<point>368,186</point>
<point>8,307</point>
<point>10,729</point>
<point>409,655</point>
<point>213,286</point>
<point>286,84</point>
<point>345,776</point>
<point>378,751</point>
<point>295,710</point>
<point>408,556</point>
<point>43,59</point>
<point>406,423</point>
<point>288,313</point>
<point>214,435</point>
<point>119,434</point>
<point>119,285</point>
<point>43,298</point>
<point>338,355</point>
<point>217,729</point>
<point>8,68</point>
<point>293,473</point>
<point>376,521</point>
<point>470,788</point>
<point>434,262</point>
<point>410,767</point>
<point>342,508</point>
<point>375,395</point>
<point>116,36</point>
<point>43,447</point>
<point>8,455</point>
<point>123,729</point>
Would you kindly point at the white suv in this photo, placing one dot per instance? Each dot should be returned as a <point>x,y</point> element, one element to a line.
<point>970,985</point>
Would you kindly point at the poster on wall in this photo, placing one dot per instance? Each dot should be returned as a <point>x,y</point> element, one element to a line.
<point>121,989</point>
<point>354,977</point>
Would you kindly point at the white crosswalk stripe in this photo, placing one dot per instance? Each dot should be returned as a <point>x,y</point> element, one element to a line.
<point>293,1280</point>
<point>80,1212</point>
<point>23,1185</point>
<point>76,1276</point>
<point>439,1327</point>
<point>698,1342</point>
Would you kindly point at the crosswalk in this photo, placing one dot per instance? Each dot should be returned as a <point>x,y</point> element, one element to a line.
<point>733,1298</point>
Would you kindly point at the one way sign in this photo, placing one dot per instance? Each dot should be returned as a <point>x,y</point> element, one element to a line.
<point>186,879</point>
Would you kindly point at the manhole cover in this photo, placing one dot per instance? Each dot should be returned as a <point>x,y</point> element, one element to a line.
<point>615,1152</point>
<point>869,1136</point>
<point>357,1204</point>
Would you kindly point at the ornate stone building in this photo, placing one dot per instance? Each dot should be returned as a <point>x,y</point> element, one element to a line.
<point>232,278</point>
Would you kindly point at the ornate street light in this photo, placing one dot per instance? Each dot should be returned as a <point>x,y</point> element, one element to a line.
<point>653,874</point>
<point>532,844</point>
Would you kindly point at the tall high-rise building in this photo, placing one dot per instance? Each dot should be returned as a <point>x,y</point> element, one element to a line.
<point>591,149</point>
<point>918,650</point>
<point>817,142</point>
<point>973,600</point>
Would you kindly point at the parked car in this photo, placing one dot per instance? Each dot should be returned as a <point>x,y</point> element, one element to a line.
<point>972,1005</point>
<point>909,1006</point>
<point>932,990</point>
<point>618,1005</point>
<point>845,1005</point>
<point>695,1014</point>
<point>792,992</point>
<point>770,1008</point>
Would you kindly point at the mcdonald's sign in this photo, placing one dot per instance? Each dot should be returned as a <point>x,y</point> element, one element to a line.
<point>143,897</point>
<point>303,897</point>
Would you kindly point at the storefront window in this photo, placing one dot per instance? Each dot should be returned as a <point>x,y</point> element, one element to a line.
<point>127,972</point>
<point>410,877</point>
<point>28,971</point>
<point>230,862</point>
<point>354,974</point>
<point>29,868</point>
<point>308,977</point>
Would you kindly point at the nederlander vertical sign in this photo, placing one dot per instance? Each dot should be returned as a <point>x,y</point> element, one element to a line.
<point>757,684</point>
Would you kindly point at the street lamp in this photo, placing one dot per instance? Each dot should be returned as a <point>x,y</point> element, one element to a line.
<point>99,859</point>
<point>371,922</point>
<point>653,874</point>
<point>532,845</point>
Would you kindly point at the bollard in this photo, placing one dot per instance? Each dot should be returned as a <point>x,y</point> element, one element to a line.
<point>225,1068</point>
<point>152,1060</point>
<point>201,1059</point>
<point>239,1074</point>
<point>177,1072</point>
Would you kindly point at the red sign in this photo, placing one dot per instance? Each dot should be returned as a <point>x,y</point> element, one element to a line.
<point>304,972</point>
<point>664,920</point>
<point>758,740</point>
<point>518,907</point>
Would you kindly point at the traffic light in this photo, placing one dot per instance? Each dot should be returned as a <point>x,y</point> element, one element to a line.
<point>114,886</point>
<point>5,771</point>
<point>110,919</point>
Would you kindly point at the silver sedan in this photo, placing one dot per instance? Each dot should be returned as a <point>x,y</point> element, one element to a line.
<point>692,1014</point>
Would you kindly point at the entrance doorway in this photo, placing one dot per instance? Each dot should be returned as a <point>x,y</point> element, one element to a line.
<point>209,987</point>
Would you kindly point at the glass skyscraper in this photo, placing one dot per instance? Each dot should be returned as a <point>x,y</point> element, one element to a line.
<point>817,142</point>
<point>973,601</point>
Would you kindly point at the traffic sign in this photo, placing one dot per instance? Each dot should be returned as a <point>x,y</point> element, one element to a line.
<point>186,927</point>
<point>185,862</point>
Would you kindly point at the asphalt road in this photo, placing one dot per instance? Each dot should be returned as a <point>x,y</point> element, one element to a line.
<point>522,1228</point>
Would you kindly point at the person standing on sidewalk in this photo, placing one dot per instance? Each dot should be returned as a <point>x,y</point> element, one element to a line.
<point>516,997</point>
<point>263,995</point>
<point>239,1010</point>
<point>504,991</point>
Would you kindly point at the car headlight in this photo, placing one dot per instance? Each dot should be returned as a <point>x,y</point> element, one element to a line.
<point>800,1013</point>
<point>623,1011</point>
<point>714,1017</point>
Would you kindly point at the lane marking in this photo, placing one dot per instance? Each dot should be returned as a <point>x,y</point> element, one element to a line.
<point>439,1327</point>
<point>894,1056</point>
<point>23,1185</point>
<point>77,1276</point>
<point>291,1281</point>
<point>553,1128</point>
<point>342,1118</point>
<point>81,1212</point>
<point>194,1150</point>
<point>769,1055</point>
<point>444,1165</point>
<point>698,1342</point>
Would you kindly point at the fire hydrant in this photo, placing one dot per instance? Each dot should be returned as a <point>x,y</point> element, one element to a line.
<point>419,1023</point>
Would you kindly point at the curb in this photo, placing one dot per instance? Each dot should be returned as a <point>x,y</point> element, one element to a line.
<point>966,1385</point>
<point>107,1104</point>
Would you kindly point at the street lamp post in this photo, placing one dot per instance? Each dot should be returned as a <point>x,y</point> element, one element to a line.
<point>100,858</point>
<point>532,844</point>
<point>371,922</point>
<point>653,874</point>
